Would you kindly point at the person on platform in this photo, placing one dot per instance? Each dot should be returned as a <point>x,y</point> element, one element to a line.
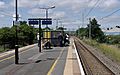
<point>66,39</point>
<point>38,39</point>
<point>60,38</point>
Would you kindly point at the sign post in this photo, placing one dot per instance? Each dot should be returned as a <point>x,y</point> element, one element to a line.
<point>39,35</point>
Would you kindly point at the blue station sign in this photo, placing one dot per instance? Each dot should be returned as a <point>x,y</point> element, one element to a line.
<point>37,21</point>
<point>33,22</point>
<point>46,22</point>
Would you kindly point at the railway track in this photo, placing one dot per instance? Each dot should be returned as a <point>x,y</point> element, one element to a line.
<point>91,64</point>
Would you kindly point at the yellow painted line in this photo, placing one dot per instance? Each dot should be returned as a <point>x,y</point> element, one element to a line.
<point>54,64</point>
<point>4,55</point>
<point>7,58</point>
<point>12,56</point>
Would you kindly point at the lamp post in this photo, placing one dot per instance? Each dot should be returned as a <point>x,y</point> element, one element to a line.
<point>47,11</point>
<point>47,16</point>
<point>16,38</point>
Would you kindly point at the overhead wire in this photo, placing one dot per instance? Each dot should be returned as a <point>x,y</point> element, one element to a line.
<point>110,14</point>
<point>92,8</point>
<point>6,14</point>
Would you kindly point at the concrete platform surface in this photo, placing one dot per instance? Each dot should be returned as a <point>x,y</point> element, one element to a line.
<point>55,61</point>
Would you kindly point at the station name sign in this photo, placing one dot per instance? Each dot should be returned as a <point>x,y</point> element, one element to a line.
<point>43,21</point>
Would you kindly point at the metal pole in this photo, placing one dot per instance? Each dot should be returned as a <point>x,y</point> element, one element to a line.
<point>82,19</point>
<point>90,29</point>
<point>47,25</point>
<point>16,18</point>
<point>39,35</point>
<point>78,31</point>
<point>16,39</point>
<point>46,15</point>
<point>56,23</point>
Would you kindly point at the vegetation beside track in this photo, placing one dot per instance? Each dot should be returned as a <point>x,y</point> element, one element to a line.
<point>108,44</point>
<point>109,50</point>
<point>26,36</point>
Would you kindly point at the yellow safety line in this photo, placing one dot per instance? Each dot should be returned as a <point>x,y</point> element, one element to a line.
<point>54,64</point>
<point>12,56</point>
<point>7,58</point>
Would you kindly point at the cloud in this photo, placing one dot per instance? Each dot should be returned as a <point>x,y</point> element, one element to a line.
<point>59,15</point>
<point>109,4</point>
<point>75,5</point>
<point>91,3</point>
<point>36,11</point>
<point>39,12</point>
<point>111,19</point>
<point>2,16</point>
<point>67,8</point>
<point>25,3</point>
<point>33,3</point>
<point>2,4</point>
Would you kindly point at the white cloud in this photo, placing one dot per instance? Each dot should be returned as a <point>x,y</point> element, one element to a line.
<point>36,11</point>
<point>39,12</point>
<point>109,4</point>
<point>2,4</point>
<point>59,15</point>
<point>91,3</point>
<point>2,16</point>
<point>33,3</point>
<point>111,19</point>
<point>67,8</point>
<point>25,3</point>
<point>75,5</point>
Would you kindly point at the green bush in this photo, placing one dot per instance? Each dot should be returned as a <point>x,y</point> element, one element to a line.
<point>26,35</point>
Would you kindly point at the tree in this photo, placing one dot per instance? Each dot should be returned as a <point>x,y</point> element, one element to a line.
<point>82,32</point>
<point>26,33</point>
<point>7,37</point>
<point>96,32</point>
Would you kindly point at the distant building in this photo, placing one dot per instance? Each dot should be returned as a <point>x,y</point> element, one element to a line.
<point>112,31</point>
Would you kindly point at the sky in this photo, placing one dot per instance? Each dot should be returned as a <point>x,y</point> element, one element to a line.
<point>70,14</point>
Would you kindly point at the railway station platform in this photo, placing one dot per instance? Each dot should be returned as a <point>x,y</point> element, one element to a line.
<point>55,61</point>
<point>72,67</point>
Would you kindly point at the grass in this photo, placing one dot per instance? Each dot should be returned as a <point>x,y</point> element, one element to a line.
<point>108,50</point>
